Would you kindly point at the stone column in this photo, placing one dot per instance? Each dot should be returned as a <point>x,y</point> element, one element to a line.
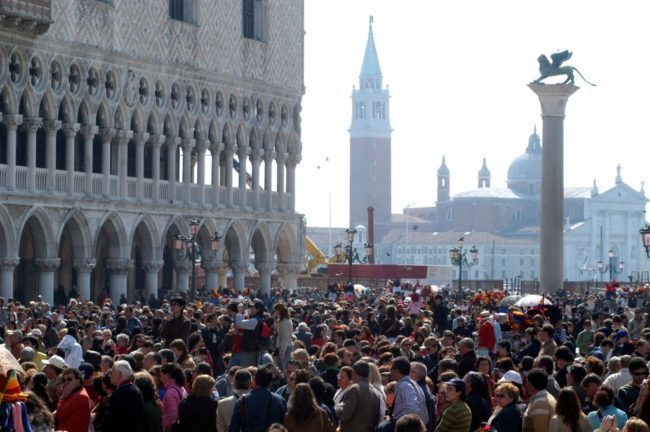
<point>188,145</point>
<point>183,272</point>
<point>140,139</point>
<point>84,268</point>
<point>256,158</point>
<point>216,149</point>
<point>32,125</point>
<point>89,132</point>
<point>123,138</point>
<point>243,156</point>
<point>264,270</point>
<point>201,146</point>
<point>230,152</point>
<point>7,267</point>
<point>46,269</point>
<point>172,143</point>
<point>107,135</point>
<point>155,165</point>
<point>289,275</point>
<point>211,273</point>
<point>51,127</point>
<point>11,121</point>
<point>269,155</point>
<point>70,130</point>
<point>222,277</point>
<point>292,161</point>
<point>119,269</point>
<point>152,269</point>
<point>553,99</point>
<point>281,159</point>
<point>239,271</point>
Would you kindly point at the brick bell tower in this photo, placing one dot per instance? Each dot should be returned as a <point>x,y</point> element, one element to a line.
<point>370,144</point>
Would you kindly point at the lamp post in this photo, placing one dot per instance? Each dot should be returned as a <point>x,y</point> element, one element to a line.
<point>189,248</point>
<point>610,267</point>
<point>458,258</point>
<point>350,253</point>
<point>645,237</point>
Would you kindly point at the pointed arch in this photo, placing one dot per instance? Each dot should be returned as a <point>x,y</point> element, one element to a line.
<point>86,114</point>
<point>293,145</point>
<point>116,232</point>
<point>138,120</point>
<point>145,228</point>
<point>154,123</point>
<point>227,137</point>
<point>186,129</point>
<point>8,246</point>
<point>253,139</point>
<point>47,107</point>
<point>170,127</point>
<point>280,144</point>
<point>38,221</point>
<point>241,137</point>
<point>28,104</point>
<point>286,244</point>
<point>80,231</point>
<point>261,243</point>
<point>267,141</point>
<point>214,132</point>
<point>9,100</point>
<point>236,242</point>
<point>66,110</point>
<point>104,117</point>
<point>122,118</point>
<point>200,131</point>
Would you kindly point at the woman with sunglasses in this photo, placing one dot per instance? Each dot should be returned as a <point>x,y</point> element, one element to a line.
<point>73,411</point>
<point>508,417</point>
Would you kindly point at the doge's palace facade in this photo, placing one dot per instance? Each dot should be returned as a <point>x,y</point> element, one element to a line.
<point>122,120</point>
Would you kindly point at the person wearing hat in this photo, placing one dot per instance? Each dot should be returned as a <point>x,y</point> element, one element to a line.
<point>178,326</point>
<point>53,367</point>
<point>622,345</point>
<point>31,341</point>
<point>457,417</point>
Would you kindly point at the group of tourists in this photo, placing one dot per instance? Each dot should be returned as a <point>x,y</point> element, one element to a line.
<point>400,359</point>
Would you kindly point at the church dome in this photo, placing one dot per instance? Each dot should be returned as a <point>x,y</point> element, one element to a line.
<point>525,172</point>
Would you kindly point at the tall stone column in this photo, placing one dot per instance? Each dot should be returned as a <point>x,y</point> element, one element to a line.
<point>140,139</point>
<point>46,269</point>
<point>239,271</point>
<point>89,132</point>
<point>123,138</point>
<point>7,267</point>
<point>172,143</point>
<point>201,146</point>
<point>70,130</point>
<point>264,270</point>
<point>119,269</point>
<point>51,127</point>
<point>222,277</point>
<point>32,125</point>
<point>11,121</point>
<point>188,145</point>
<point>107,135</point>
<point>230,152</point>
<point>84,268</point>
<point>553,99</point>
<point>292,161</point>
<point>256,158</point>
<point>269,155</point>
<point>152,269</point>
<point>216,149</point>
<point>289,275</point>
<point>183,272</point>
<point>155,165</point>
<point>212,273</point>
<point>243,156</point>
<point>281,159</point>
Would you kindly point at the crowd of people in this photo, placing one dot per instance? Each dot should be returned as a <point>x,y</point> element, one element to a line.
<point>402,360</point>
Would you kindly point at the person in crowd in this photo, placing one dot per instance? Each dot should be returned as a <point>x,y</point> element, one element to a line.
<point>73,411</point>
<point>304,414</point>
<point>284,331</point>
<point>477,398</point>
<point>359,406</point>
<point>242,385</point>
<point>125,404</point>
<point>628,394</point>
<point>604,402</point>
<point>410,423</point>
<point>176,326</point>
<point>457,416</point>
<point>467,355</point>
<point>508,418</point>
<point>172,379</point>
<point>198,412</point>
<point>568,415</point>
<point>151,419</point>
<point>39,415</point>
<point>541,405</point>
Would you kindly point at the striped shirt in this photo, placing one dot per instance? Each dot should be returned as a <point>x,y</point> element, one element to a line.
<point>457,417</point>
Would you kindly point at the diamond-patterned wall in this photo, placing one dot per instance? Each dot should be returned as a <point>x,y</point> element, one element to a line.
<point>142,29</point>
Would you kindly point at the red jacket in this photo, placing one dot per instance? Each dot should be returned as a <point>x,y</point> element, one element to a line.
<point>73,412</point>
<point>486,336</point>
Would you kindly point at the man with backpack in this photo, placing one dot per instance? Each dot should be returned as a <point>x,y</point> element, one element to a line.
<point>255,335</point>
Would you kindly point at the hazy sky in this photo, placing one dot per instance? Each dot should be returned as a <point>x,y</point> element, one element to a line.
<point>457,73</point>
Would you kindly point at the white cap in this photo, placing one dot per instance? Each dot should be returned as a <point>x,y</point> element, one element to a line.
<point>512,377</point>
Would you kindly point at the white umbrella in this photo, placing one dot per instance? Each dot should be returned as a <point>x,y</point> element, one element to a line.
<point>532,300</point>
<point>510,300</point>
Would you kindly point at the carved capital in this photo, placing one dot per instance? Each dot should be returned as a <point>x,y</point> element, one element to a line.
<point>47,264</point>
<point>269,155</point>
<point>12,121</point>
<point>265,268</point>
<point>84,265</point>
<point>256,154</point>
<point>107,134</point>
<point>70,129</point>
<point>183,265</point>
<point>293,160</point>
<point>172,142</point>
<point>216,148</point>
<point>156,140</point>
<point>123,136</point>
<point>281,157</point>
<point>89,131</point>
<point>212,266</point>
<point>140,138</point>
<point>9,264</point>
<point>51,126</point>
<point>152,266</point>
<point>239,267</point>
<point>119,266</point>
<point>202,145</point>
<point>31,124</point>
<point>288,268</point>
<point>188,144</point>
<point>243,151</point>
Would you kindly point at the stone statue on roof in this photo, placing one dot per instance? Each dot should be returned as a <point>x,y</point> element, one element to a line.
<point>554,68</point>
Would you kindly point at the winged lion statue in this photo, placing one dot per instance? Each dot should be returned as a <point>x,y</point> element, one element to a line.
<point>554,68</point>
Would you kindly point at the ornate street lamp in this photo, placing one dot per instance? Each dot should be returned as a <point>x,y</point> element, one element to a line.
<point>610,267</point>
<point>351,255</point>
<point>645,236</point>
<point>458,258</point>
<point>189,248</point>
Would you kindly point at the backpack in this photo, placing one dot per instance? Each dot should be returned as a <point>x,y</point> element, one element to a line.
<point>258,339</point>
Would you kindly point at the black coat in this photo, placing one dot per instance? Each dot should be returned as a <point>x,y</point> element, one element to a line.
<point>198,414</point>
<point>124,410</point>
<point>509,419</point>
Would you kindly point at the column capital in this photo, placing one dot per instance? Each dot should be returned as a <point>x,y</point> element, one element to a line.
<point>12,120</point>
<point>9,263</point>
<point>281,157</point>
<point>140,137</point>
<point>32,124</point>
<point>289,268</point>
<point>243,151</point>
<point>47,264</point>
<point>269,155</point>
<point>265,268</point>
<point>188,144</point>
<point>184,265</point>
<point>119,266</point>
<point>123,135</point>
<point>213,265</point>
<point>553,97</point>
<point>51,126</point>
<point>156,140</point>
<point>152,265</point>
<point>239,267</point>
<point>256,154</point>
<point>293,160</point>
<point>107,134</point>
<point>70,129</point>
<point>172,141</point>
<point>89,131</point>
<point>84,264</point>
<point>202,145</point>
<point>216,148</point>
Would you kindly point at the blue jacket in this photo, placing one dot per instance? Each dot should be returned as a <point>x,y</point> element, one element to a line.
<point>257,410</point>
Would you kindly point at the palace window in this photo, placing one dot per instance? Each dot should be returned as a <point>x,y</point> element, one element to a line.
<point>183,10</point>
<point>255,18</point>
